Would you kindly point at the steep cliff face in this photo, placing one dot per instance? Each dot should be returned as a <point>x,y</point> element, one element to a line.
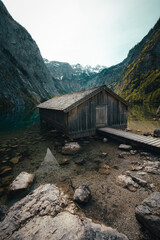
<point>140,80</point>
<point>137,78</point>
<point>24,78</point>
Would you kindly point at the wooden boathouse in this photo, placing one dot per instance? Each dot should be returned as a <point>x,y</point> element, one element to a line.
<point>80,113</point>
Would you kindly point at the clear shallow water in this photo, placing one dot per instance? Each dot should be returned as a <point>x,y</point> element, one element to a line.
<point>17,118</point>
<point>141,117</point>
<point>22,138</point>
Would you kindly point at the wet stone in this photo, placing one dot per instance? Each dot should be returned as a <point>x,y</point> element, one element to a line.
<point>148,213</point>
<point>104,169</point>
<point>125,147</point>
<point>136,168</point>
<point>16,159</point>
<point>21,184</point>
<point>82,194</point>
<point>64,161</point>
<point>133,152</point>
<point>140,181</point>
<point>105,140</point>
<point>127,182</point>
<point>152,167</point>
<point>71,148</point>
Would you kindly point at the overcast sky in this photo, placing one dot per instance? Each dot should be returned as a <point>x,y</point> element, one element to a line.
<point>85,31</point>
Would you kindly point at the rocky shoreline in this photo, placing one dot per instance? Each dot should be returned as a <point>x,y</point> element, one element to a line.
<point>117,181</point>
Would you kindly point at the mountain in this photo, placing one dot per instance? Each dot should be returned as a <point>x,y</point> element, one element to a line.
<point>24,77</point>
<point>137,78</point>
<point>140,80</point>
<point>71,78</point>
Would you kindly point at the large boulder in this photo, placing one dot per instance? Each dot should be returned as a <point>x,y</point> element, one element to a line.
<point>47,213</point>
<point>45,200</point>
<point>68,227</point>
<point>148,213</point>
<point>21,184</point>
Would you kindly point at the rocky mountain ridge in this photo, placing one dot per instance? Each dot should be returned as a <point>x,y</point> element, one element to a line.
<point>23,75</point>
<point>137,78</point>
<point>140,79</point>
<point>71,78</point>
<point>25,79</point>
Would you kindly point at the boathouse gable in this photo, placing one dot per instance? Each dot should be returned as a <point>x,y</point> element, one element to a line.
<point>79,114</point>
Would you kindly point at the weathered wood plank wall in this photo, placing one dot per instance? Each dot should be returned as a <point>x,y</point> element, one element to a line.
<point>82,119</point>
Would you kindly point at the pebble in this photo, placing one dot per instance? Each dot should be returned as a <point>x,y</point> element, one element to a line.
<point>105,140</point>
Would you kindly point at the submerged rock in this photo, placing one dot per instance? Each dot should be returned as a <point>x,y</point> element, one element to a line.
<point>21,183</point>
<point>133,152</point>
<point>5,170</point>
<point>125,147</point>
<point>82,194</point>
<point>45,214</point>
<point>64,161</point>
<point>127,182</point>
<point>152,167</point>
<point>16,159</point>
<point>104,169</point>
<point>105,140</point>
<point>71,148</point>
<point>148,213</point>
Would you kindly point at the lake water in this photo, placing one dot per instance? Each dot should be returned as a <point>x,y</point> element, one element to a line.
<point>23,144</point>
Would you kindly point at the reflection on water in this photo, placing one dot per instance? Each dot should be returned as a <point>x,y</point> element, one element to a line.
<point>140,117</point>
<point>17,118</point>
<point>143,118</point>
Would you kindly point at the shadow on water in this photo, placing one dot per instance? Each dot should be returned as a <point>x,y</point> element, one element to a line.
<point>17,118</point>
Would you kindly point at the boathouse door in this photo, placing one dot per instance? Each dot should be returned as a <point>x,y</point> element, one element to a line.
<point>101,116</point>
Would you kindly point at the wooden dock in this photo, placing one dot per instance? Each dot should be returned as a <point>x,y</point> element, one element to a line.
<point>147,142</point>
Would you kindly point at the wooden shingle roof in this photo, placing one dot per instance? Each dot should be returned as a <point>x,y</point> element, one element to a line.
<point>68,101</point>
